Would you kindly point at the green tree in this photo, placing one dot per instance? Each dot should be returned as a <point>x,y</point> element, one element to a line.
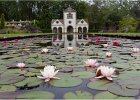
<point>128,24</point>
<point>2,22</point>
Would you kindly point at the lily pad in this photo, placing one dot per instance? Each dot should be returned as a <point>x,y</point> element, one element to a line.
<point>99,84</point>
<point>66,81</point>
<point>29,82</point>
<point>7,88</point>
<point>105,95</point>
<point>78,95</point>
<point>121,65</point>
<point>122,90</point>
<point>9,79</point>
<point>36,95</point>
<point>84,74</point>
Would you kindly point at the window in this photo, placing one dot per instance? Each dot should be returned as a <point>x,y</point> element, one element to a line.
<point>69,16</point>
<point>57,22</point>
<point>82,21</point>
<point>69,22</point>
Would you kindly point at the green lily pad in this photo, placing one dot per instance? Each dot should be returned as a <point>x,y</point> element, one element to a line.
<point>36,95</point>
<point>105,95</point>
<point>29,82</point>
<point>7,88</point>
<point>78,95</point>
<point>83,74</point>
<point>122,90</point>
<point>121,65</point>
<point>99,84</point>
<point>9,79</point>
<point>128,74</point>
<point>66,81</point>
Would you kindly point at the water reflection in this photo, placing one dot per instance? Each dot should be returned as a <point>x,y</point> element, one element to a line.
<point>69,40</point>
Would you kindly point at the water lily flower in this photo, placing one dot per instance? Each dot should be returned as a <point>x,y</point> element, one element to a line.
<point>44,50</point>
<point>135,50</point>
<point>108,54</point>
<point>5,42</point>
<point>98,40</point>
<point>48,73</point>
<point>20,65</point>
<point>105,71</point>
<point>104,38</point>
<point>91,63</point>
<point>70,49</point>
<point>16,40</point>
<point>115,43</point>
<point>105,45</point>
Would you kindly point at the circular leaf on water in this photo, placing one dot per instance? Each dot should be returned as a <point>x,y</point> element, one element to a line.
<point>122,90</point>
<point>99,84</point>
<point>128,74</point>
<point>121,65</point>
<point>66,81</point>
<point>36,95</point>
<point>125,98</point>
<point>78,95</point>
<point>84,74</point>
<point>105,95</point>
<point>30,82</point>
<point>9,79</point>
<point>7,88</point>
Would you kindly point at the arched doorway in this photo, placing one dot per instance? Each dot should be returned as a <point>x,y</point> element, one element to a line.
<point>60,30</point>
<point>54,30</point>
<point>84,30</point>
<point>70,29</point>
<point>79,30</point>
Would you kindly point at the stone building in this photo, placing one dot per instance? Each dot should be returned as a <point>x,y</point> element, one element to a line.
<point>69,23</point>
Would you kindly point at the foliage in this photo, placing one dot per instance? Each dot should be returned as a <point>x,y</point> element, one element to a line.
<point>102,15</point>
<point>2,21</point>
<point>128,24</point>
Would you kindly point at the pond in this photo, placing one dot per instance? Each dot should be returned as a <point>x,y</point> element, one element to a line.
<point>77,81</point>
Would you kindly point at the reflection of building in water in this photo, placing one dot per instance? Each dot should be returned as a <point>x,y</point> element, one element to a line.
<point>69,40</point>
<point>69,23</point>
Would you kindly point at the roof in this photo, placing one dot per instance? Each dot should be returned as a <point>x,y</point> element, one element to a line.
<point>78,20</point>
<point>61,20</point>
<point>69,9</point>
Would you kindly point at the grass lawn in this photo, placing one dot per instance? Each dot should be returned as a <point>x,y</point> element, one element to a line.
<point>124,34</point>
<point>33,34</point>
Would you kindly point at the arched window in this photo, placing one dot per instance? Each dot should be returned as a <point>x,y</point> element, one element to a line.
<point>54,30</point>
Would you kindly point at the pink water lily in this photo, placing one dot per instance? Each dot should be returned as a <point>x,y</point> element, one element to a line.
<point>91,63</point>
<point>135,50</point>
<point>105,71</point>
<point>48,73</point>
<point>105,45</point>
<point>108,54</point>
<point>44,50</point>
<point>20,65</point>
<point>70,49</point>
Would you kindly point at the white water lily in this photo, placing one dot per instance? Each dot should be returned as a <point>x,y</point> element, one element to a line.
<point>20,65</point>
<point>105,71</point>
<point>91,63</point>
<point>108,54</point>
<point>105,45</point>
<point>135,50</point>
<point>44,50</point>
<point>48,73</point>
